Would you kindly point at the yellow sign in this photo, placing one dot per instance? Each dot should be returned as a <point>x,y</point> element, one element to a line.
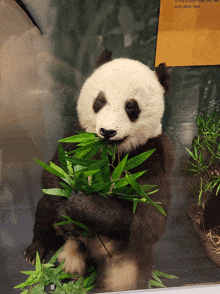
<point>188,33</point>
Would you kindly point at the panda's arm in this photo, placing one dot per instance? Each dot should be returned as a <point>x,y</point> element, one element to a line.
<point>110,217</point>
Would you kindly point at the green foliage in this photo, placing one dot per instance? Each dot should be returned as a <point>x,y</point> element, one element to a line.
<point>45,274</point>
<point>205,151</point>
<point>80,171</point>
<point>156,281</point>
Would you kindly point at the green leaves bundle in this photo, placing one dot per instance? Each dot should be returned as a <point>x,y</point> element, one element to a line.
<point>80,171</point>
<point>45,274</point>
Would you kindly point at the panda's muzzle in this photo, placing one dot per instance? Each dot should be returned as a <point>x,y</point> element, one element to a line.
<point>107,134</point>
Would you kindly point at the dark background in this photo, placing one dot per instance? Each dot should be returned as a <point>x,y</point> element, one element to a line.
<point>44,63</point>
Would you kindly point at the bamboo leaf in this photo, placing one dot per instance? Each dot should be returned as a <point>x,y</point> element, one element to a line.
<point>135,205</point>
<point>58,169</point>
<point>38,265</point>
<point>88,282</point>
<point>97,165</point>
<point>119,169</point>
<point>63,275</point>
<point>152,192</point>
<point>218,188</point>
<point>124,190</point>
<point>123,181</point>
<point>155,276</point>
<point>57,192</point>
<point>49,169</point>
<point>138,160</point>
<point>40,286</point>
<point>29,273</point>
<point>164,275</point>
<point>82,152</point>
<point>103,187</point>
<point>105,174</point>
<point>69,167</point>
<point>147,187</point>
<point>66,187</point>
<point>81,161</point>
<point>156,284</point>
<point>29,282</point>
<point>195,152</point>
<point>95,148</point>
<point>133,183</point>
<point>48,265</point>
<point>90,172</point>
<point>90,288</point>
<point>83,136</point>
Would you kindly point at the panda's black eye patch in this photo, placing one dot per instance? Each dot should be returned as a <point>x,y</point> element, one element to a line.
<point>99,102</point>
<point>132,109</point>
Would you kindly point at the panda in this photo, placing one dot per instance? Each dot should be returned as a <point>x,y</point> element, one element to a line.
<point>123,102</point>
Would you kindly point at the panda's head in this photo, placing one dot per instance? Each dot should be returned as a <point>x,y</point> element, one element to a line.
<point>122,101</point>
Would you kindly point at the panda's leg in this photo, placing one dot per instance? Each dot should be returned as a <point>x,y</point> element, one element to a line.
<point>117,273</point>
<point>130,270</point>
<point>74,252</point>
<point>45,237</point>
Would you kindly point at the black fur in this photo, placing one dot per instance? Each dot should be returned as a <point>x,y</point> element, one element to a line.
<point>99,102</point>
<point>132,109</point>
<point>163,77</point>
<point>105,56</point>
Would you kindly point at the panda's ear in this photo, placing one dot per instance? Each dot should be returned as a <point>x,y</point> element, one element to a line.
<point>105,56</point>
<point>163,77</point>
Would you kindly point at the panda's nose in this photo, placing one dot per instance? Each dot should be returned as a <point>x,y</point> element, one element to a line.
<point>107,133</point>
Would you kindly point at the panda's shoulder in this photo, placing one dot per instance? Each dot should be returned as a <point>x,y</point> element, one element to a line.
<point>164,150</point>
<point>161,141</point>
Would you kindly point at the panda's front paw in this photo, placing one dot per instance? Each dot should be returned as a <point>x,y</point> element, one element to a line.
<point>74,257</point>
<point>214,170</point>
<point>31,250</point>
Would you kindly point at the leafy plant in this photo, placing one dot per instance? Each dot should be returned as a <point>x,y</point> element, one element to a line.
<point>205,151</point>
<point>79,171</point>
<point>156,281</point>
<point>45,274</point>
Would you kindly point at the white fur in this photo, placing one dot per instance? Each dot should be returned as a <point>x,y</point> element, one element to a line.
<point>121,274</point>
<point>121,80</point>
<point>74,260</point>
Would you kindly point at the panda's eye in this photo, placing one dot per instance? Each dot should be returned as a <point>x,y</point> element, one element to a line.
<point>129,106</point>
<point>99,102</point>
<point>102,100</point>
<point>132,109</point>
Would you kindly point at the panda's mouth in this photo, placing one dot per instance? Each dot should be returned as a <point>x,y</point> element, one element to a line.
<point>110,136</point>
<point>117,142</point>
